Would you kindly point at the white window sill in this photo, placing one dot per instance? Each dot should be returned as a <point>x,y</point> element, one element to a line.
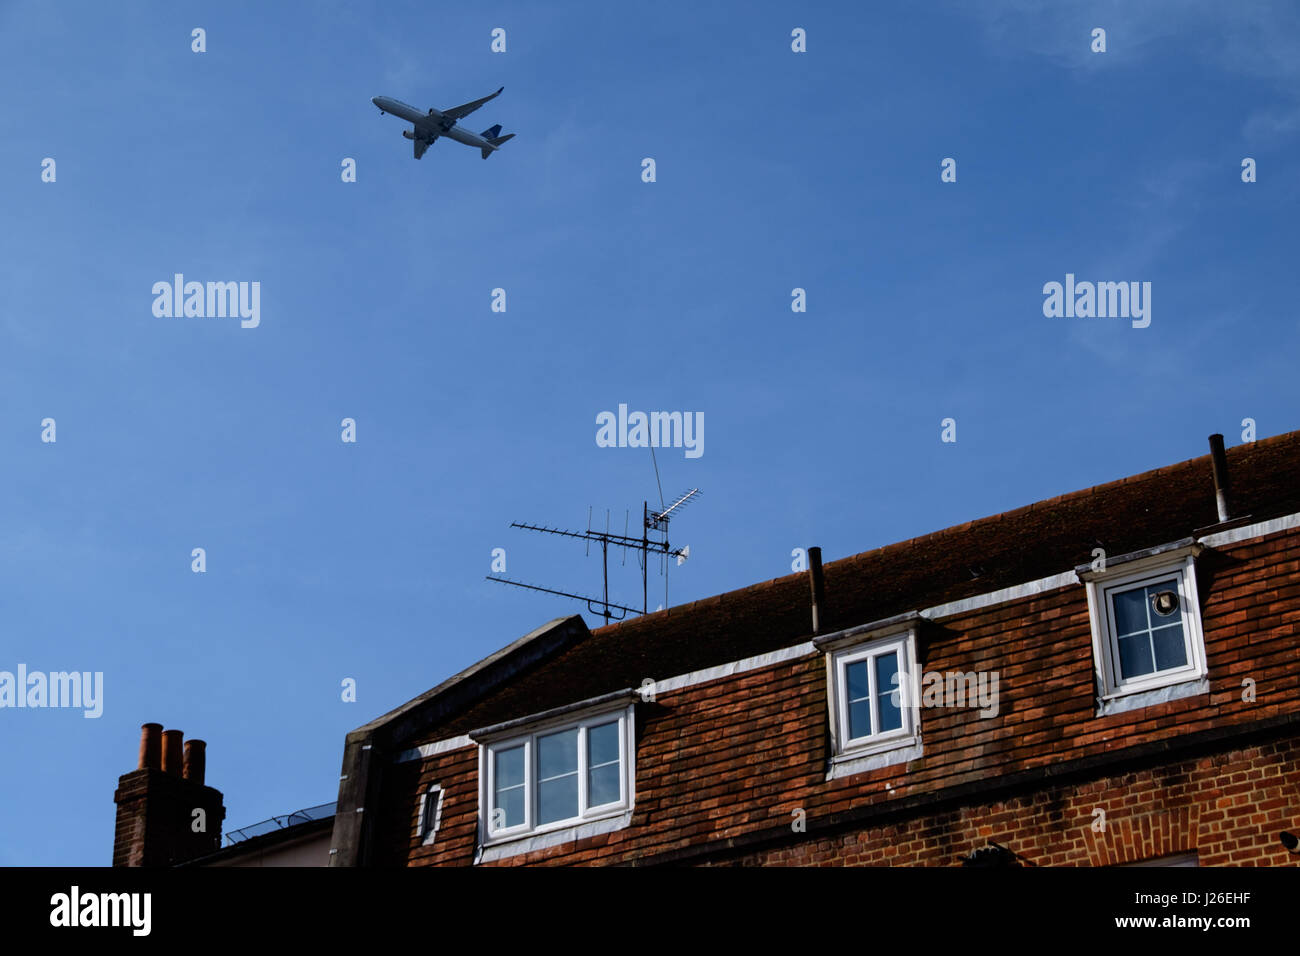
<point>1121,702</point>
<point>850,763</point>
<point>540,841</point>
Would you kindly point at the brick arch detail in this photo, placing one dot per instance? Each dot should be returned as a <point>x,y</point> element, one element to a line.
<point>1132,839</point>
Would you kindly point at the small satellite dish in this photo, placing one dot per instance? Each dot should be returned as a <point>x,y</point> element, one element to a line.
<point>683,555</point>
<point>1164,603</point>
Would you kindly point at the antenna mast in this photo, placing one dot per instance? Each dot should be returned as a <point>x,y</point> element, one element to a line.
<point>654,521</point>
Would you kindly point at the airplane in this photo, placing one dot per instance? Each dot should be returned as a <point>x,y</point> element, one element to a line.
<point>429,126</point>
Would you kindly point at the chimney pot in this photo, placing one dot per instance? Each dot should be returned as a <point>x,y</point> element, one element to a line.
<point>154,815</point>
<point>150,747</point>
<point>195,760</point>
<point>171,751</point>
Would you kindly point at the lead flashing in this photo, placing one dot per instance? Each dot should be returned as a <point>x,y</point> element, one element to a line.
<point>888,625</point>
<point>1169,552</point>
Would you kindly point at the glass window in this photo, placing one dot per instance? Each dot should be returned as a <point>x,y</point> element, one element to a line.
<point>547,778</point>
<point>1149,629</point>
<point>557,776</point>
<point>1146,628</point>
<point>603,776</point>
<point>859,689</point>
<point>430,813</point>
<point>870,695</point>
<point>509,774</point>
<point>889,714</point>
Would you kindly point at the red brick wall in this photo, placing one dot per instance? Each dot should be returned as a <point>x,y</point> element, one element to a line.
<point>1228,809</point>
<point>737,755</point>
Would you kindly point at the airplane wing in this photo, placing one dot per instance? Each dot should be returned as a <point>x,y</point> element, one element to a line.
<point>460,112</point>
<point>421,145</point>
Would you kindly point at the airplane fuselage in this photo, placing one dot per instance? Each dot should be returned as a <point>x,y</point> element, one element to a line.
<point>430,125</point>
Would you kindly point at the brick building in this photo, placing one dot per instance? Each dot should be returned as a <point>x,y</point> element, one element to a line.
<point>1107,677</point>
<point>167,815</point>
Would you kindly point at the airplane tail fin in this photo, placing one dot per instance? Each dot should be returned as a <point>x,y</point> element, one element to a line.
<point>492,133</point>
<point>495,141</point>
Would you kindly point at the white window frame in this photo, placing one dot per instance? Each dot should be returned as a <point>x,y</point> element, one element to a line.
<point>425,829</point>
<point>1179,563</point>
<point>899,639</point>
<point>623,715</point>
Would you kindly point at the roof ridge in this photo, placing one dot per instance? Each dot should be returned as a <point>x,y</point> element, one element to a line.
<point>1163,470</point>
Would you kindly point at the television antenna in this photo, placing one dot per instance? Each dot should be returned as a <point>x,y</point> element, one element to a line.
<point>653,522</point>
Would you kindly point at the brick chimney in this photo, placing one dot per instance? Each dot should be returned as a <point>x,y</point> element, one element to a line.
<point>157,822</point>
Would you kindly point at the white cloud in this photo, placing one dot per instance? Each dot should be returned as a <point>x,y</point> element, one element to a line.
<point>1250,37</point>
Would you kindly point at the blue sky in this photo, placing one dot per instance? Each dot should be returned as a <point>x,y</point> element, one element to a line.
<point>775,171</point>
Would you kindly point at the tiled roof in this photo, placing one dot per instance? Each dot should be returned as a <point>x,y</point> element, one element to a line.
<point>1004,550</point>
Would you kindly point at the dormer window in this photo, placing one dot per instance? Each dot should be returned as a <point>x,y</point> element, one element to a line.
<point>871,680</point>
<point>556,772</point>
<point>1146,627</point>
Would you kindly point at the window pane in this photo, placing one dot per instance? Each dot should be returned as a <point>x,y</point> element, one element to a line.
<point>603,785</point>
<point>860,718</point>
<point>855,675</point>
<point>430,811</point>
<point>557,776</point>
<point>510,767</point>
<point>1172,616</point>
<point>557,754</point>
<point>1171,648</point>
<point>859,693</point>
<point>509,772</point>
<point>602,744</point>
<point>603,768</point>
<point>889,714</point>
<point>557,798</point>
<point>1131,611</point>
<point>512,802</point>
<point>1135,656</point>
<point>1149,641</point>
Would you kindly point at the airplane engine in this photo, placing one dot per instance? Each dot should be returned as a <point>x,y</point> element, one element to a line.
<point>408,134</point>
